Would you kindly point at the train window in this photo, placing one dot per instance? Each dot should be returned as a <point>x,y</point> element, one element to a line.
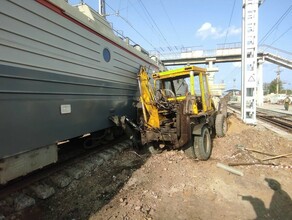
<point>106,55</point>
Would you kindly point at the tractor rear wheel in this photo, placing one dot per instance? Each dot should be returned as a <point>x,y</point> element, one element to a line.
<point>203,144</point>
<point>220,125</point>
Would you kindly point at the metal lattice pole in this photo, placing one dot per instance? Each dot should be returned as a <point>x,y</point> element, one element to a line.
<point>249,60</point>
<point>101,8</point>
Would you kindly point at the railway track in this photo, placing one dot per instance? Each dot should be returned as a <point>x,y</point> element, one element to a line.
<point>277,119</point>
<point>78,162</point>
<point>101,173</point>
<point>280,122</point>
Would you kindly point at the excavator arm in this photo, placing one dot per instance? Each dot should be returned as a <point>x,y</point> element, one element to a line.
<point>147,99</point>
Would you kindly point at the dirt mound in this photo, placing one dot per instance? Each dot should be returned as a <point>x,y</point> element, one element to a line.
<point>235,125</point>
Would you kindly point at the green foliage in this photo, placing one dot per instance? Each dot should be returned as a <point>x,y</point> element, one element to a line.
<point>272,88</point>
<point>287,91</point>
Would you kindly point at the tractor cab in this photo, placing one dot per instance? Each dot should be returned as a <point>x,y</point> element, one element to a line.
<point>188,84</point>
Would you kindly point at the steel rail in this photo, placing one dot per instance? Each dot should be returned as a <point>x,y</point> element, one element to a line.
<point>65,161</point>
<point>277,121</point>
<point>272,118</point>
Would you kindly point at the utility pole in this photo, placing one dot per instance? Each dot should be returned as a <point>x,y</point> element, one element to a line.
<point>249,60</point>
<point>101,8</point>
<point>278,79</point>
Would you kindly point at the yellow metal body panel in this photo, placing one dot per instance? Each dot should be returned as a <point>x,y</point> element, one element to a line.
<point>195,109</point>
<point>179,98</point>
<point>203,93</point>
<point>178,72</point>
<point>150,111</point>
<point>192,83</point>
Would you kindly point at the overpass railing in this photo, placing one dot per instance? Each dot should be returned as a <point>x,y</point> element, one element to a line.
<point>232,49</point>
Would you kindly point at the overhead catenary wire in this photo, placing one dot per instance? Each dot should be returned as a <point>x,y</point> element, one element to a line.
<point>281,36</point>
<point>227,31</point>
<point>125,20</point>
<point>170,21</point>
<point>275,25</point>
<point>232,71</point>
<point>149,22</point>
<point>146,19</point>
<point>155,24</point>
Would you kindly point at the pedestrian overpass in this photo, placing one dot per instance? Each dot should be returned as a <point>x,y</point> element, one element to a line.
<point>226,53</point>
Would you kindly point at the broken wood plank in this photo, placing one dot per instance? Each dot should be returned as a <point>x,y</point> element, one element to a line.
<point>251,163</point>
<point>277,157</point>
<point>261,152</point>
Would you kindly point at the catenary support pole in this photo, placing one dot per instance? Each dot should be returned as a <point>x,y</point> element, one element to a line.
<point>260,90</point>
<point>249,75</point>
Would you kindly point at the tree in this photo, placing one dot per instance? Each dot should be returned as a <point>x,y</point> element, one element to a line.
<point>266,88</point>
<point>273,86</point>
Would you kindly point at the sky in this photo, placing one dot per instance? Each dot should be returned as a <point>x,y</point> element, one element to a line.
<point>172,25</point>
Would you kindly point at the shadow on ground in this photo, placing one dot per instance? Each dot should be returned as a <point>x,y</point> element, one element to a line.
<point>280,205</point>
<point>89,194</point>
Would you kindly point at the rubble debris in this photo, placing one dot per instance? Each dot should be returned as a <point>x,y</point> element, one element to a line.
<point>105,155</point>
<point>112,151</point>
<point>42,191</point>
<point>74,172</point>
<point>96,160</point>
<point>23,201</point>
<point>135,153</point>
<point>87,166</point>
<point>61,180</point>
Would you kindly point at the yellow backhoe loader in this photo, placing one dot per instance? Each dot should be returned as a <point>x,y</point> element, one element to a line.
<point>176,110</point>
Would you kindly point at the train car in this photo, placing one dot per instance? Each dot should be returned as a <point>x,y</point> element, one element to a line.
<point>63,73</point>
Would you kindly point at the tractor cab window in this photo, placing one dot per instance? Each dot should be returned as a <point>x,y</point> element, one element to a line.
<point>181,87</point>
<point>173,88</point>
<point>164,89</point>
<point>197,85</point>
<point>206,91</point>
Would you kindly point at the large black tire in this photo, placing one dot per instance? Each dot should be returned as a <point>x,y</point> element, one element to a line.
<point>221,125</point>
<point>203,145</point>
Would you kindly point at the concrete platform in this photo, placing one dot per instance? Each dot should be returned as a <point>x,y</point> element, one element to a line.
<point>276,108</point>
